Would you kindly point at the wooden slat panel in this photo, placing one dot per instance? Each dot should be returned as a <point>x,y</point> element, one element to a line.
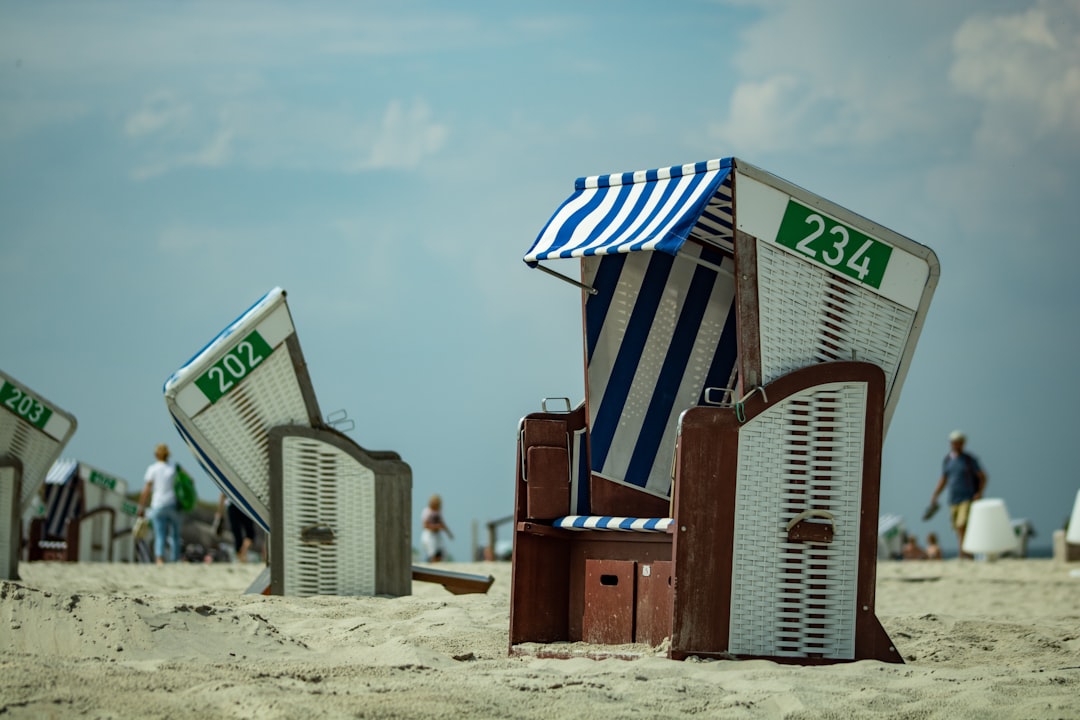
<point>609,602</point>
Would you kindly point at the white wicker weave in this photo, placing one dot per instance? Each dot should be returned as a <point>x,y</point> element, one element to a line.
<point>326,488</point>
<point>798,599</point>
<point>237,424</point>
<point>809,315</point>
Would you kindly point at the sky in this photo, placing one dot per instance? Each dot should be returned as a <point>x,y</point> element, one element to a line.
<point>164,164</point>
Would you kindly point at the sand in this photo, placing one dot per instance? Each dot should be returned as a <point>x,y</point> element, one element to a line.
<point>981,640</point>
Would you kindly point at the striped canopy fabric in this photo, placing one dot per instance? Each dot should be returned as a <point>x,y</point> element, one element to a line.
<point>659,326</point>
<point>659,331</point>
<point>63,496</point>
<point>644,210</point>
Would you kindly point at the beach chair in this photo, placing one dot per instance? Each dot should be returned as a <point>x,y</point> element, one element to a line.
<point>102,490</point>
<point>33,433</point>
<point>55,535</point>
<point>87,517</point>
<point>745,345</point>
<point>338,516</point>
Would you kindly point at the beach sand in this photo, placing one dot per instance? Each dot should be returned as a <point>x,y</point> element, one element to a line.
<point>981,640</point>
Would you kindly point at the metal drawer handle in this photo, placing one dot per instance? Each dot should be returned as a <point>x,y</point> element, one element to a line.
<point>823,514</point>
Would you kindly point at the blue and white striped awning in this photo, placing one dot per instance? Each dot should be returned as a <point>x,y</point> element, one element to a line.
<point>644,210</point>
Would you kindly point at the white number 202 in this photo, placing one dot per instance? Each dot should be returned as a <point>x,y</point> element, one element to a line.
<point>237,365</point>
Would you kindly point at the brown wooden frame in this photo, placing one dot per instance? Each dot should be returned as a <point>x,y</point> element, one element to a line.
<point>13,523</point>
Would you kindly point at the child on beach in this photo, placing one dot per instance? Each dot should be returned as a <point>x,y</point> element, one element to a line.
<point>933,550</point>
<point>912,551</point>
<point>430,537</point>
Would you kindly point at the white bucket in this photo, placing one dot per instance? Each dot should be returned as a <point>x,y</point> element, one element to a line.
<point>1073,535</point>
<point>989,530</point>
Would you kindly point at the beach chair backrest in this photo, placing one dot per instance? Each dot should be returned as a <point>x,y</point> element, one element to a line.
<point>33,430</point>
<point>655,249</point>
<point>818,282</point>
<point>659,330</point>
<point>251,377</point>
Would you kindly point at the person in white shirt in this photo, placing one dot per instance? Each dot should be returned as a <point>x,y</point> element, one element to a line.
<point>163,513</point>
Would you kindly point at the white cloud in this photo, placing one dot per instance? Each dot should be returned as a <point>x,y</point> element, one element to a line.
<point>825,76</point>
<point>1024,69</point>
<point>215,152</point>
<point>764,113</point>
<point>161,111</point>
<point>262,131</point>
<point>406,136</point>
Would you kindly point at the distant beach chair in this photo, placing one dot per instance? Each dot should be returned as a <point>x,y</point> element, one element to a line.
<point>103,490</point>
<point>338,516</point>
<point>55,536</point>
<point>87,517</point>
<point>891,533</point>
<point>33,433</point>
<point>745,345</point>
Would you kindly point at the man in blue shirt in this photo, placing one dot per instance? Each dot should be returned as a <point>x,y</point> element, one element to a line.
<point>965,479</point>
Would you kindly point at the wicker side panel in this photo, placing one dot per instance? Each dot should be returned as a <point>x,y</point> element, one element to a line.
<point>798,599</point>
<point>327,533</point>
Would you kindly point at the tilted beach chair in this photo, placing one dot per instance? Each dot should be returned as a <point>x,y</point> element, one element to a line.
<point>339,516</point>
<point>745,345</point>
<point>33,433</point>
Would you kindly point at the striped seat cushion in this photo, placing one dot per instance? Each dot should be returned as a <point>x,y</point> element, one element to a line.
<point>609,522</point>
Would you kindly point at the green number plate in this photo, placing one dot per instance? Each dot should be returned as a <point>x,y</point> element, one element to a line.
<point>25,405</point>
<point>130,508</point>
<point>227,372</point>
<point>104,481</point>
<point>834,244</point>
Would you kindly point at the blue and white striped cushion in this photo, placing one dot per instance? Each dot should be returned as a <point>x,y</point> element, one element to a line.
<point>609,522</point>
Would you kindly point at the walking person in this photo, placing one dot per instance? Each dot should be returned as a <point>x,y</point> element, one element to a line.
<point>163,512</point>
<point>965,480</point>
